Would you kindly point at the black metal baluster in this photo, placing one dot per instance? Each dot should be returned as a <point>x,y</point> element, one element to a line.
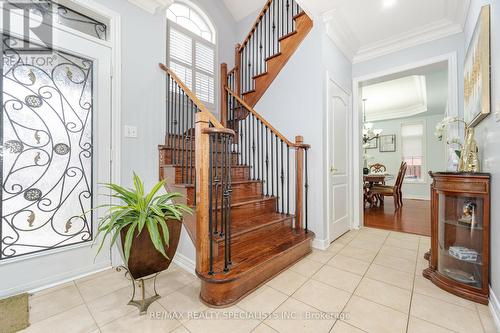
<point>307,191</point>
<point>168,110</point>
<point>287,180</point>
<point>217,185</point>
<point>267,161</point>
<point>247,144</point>
<point>272,164</point>
<point>225,194</point>
<point>210,207</point>
<point>254,164</point>
<point>288,24</point>
<point>277,175</point>
<point>262,156</point>
<point>282,181</point>
<point>274,28</point>
<point>184,171</point>
<point>230,186</point>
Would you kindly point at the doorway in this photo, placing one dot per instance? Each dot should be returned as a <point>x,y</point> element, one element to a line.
<point>56,123</point>
<point>338,120</point>
<point>397,112</point>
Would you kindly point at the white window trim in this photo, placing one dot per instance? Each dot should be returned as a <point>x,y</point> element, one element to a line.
<point>424,178</point>
<point>195,38</point>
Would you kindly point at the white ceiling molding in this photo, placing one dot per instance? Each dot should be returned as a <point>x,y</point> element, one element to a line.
<point>152,6</point>
<point>357,38</point>
<point>399,98</point>
<point>425,34</point>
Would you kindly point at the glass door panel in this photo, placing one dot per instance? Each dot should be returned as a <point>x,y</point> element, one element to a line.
<point>460,238</point>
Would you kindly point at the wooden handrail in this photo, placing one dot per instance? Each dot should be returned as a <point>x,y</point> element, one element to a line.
<point>214,121</point>
<point>256,23</point>
<point>265,122</point>
<point>213,130</point>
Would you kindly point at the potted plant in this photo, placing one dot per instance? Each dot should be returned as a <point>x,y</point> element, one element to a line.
<point>149,226</point>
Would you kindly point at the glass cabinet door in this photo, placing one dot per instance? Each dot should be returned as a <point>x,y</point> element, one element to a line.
<point>460,238</point>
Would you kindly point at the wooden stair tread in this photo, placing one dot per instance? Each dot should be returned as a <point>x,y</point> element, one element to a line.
<point>243,226</point>
<point>257,248</point>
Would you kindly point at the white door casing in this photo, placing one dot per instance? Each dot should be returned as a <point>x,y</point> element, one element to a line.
<point>35,270</point>
<point>338,161</point>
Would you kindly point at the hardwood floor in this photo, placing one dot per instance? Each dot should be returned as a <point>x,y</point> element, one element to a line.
<point>414,217</point>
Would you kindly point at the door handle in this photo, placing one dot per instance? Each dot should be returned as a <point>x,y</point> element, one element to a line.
<point>332,169</point>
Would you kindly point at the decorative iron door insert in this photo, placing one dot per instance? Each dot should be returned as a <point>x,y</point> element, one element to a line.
<point>46,156</point>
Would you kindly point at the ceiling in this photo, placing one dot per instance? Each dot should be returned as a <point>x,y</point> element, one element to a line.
<point>241,9</point>
<point>417,92</point>
<point>365,29</point>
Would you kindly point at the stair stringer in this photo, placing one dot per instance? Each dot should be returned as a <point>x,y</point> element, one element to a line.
<point>288,45</point>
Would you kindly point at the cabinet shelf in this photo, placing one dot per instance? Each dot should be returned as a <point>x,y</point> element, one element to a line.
<point>458,225</point>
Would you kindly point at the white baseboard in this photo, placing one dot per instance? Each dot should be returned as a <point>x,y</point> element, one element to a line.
<point>185,263</point>
<point>495,309</point>
<point>52,281</point>
<point>320,244</point>
<point>417,197</point>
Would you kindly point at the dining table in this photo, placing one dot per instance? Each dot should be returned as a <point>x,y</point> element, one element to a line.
<point>369,181</point>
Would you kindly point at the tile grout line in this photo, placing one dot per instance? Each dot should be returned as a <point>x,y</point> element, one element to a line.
<point>87,307</point>
<point>424,320</point>
<point>352,294</point>
<point>413,286</point>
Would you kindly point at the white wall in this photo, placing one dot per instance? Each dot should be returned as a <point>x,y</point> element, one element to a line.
<point>434,153</point>
<point>488,134</point>
<point>143,94</point>
<point>295,104</point>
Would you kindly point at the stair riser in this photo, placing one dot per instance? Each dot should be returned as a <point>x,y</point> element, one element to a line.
<point>190,143</point>
<point>168,156</point>
<point>229,293</point>
<point>248,210</point>
<point>240,192</point>
<point>261,225</point>
<point>237,173</point>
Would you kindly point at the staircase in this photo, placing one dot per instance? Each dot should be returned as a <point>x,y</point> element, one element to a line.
<point>246,181</point>
<point>276,34</point>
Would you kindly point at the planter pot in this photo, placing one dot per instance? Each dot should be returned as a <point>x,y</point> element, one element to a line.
<point>144,259</point>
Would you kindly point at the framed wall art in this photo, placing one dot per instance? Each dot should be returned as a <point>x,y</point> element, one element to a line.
<point>387,143</point>
<point>477,104</point>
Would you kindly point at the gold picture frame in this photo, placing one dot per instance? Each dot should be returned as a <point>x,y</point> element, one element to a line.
<point>477,74</point>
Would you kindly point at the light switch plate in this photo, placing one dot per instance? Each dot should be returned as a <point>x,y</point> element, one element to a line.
<point>130,131</point>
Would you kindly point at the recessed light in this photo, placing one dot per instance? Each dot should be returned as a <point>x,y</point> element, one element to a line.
<point>389,3</point>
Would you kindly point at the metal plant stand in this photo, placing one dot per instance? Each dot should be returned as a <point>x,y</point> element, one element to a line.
<point>143,303</point>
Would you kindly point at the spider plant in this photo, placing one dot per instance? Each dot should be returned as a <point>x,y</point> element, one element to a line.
<point>137,211</point>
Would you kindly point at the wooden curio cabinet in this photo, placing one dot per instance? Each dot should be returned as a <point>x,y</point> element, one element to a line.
<point>460,240</point>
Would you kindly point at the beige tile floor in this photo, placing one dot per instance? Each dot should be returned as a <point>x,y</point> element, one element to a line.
<point>373,277</point>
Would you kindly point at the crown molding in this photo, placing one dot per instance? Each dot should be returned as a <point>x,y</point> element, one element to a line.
<point>338,30</point>
<point>422,35</point>
<point>152,6</point>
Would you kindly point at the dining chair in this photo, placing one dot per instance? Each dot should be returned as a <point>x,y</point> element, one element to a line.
<point>377,168</point>
<point>378,192</point>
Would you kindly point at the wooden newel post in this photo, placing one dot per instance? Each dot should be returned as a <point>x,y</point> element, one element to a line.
<point>237,65</point>
<point>223,94</point>
<point>299,183</point>
<point>202,193</point>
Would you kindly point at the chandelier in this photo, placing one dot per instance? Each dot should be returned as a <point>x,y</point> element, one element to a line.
<point>369,133</point>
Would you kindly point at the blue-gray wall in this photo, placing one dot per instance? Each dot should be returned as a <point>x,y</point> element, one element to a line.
<point>488,132</point>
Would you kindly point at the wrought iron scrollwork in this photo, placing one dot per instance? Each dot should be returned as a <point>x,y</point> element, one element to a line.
<point>68,17</point>
<point>46,155</point>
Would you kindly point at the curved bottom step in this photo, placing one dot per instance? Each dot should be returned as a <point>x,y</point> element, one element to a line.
<point>266,257</point>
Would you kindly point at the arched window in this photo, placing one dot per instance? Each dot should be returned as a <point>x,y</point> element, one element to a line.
<point>191,49</point>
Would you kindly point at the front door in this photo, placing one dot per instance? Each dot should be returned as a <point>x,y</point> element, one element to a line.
<point>338,144</point>
<point>55,140</point>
